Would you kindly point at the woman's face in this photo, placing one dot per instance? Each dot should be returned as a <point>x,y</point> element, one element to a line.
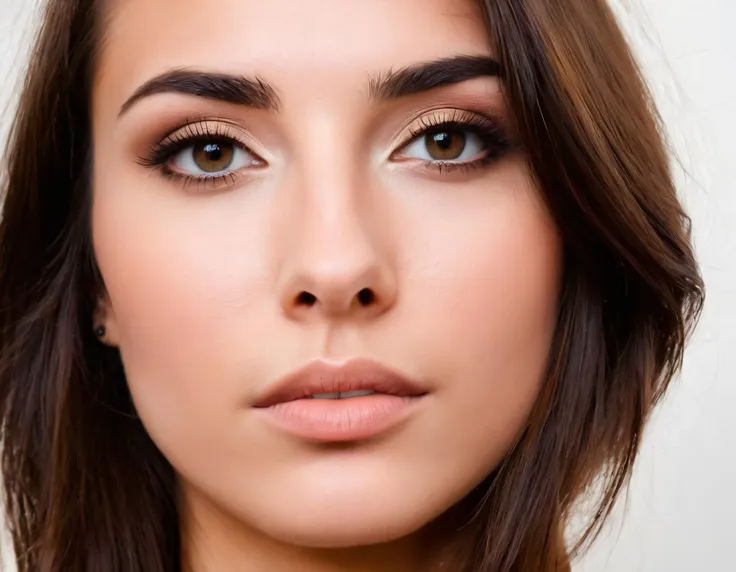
<point>326,185</point>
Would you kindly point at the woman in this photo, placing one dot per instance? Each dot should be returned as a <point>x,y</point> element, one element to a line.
<point>326,285</point>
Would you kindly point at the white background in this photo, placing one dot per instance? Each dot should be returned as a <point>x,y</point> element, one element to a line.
<point>680,510</point>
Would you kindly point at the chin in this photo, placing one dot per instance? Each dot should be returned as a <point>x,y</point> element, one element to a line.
<point>333,534</point>
<point>367,521</point>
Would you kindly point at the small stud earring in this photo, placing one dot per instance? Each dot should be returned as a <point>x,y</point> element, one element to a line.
<point>100,331</point>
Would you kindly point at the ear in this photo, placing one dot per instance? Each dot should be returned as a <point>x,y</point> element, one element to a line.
<point>104,322</point>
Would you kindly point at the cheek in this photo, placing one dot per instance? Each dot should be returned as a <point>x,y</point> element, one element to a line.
<point>485,300</point>
<point>182,273</point>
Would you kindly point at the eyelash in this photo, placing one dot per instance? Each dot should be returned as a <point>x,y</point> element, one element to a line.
<point>159,156</point>
<point>494,138</point>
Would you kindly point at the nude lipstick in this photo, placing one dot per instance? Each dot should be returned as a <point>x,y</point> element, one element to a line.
<point>337,402</point>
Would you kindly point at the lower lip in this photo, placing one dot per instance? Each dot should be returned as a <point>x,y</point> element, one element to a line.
<point>335,420</point>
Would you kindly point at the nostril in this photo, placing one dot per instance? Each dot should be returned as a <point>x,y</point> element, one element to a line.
<point>366,297</point>
<point>306,299</point>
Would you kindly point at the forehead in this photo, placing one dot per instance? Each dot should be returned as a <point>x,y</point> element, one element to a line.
<point>293,44</point>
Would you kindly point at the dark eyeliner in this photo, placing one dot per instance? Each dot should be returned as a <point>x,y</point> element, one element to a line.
<point>495,138</point>
<point>159,155</point>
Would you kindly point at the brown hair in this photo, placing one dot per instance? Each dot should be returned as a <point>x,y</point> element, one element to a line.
<point>85,487</point>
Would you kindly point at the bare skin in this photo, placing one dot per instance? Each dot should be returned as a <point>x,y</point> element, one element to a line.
<point>332,187</point>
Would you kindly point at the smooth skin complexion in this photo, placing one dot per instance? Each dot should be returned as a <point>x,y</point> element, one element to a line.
<point>272,194</point>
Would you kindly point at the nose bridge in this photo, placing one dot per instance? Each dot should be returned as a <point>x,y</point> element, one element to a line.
<point>337,262</point>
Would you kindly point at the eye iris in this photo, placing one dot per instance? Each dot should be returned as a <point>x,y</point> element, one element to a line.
<point>446,145</point>
<point>213,156</point>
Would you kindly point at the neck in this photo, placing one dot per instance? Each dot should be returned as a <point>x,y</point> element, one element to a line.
<point>212,541</point>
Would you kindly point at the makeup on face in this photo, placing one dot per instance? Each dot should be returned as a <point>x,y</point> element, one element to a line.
<point>336,402</point>
<point>207,152</point>
<point>328,270</point>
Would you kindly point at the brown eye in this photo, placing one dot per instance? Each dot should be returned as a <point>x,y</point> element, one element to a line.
<point>445,145</point>
<point>213,156</point>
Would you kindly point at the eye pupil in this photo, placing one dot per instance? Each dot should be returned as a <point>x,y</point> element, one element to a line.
<point>213,150</point>
<point>213,156</point>
<point>446,145</point>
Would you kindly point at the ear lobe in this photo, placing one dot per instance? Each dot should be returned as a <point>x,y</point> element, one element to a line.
<point>104,322</point>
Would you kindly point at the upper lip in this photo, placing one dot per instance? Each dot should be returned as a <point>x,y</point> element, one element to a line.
<point>329,377</point>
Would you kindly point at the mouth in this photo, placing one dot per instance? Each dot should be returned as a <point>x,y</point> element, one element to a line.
<point>348,380</point>
<point>332,402</point>
<point>342,395</point>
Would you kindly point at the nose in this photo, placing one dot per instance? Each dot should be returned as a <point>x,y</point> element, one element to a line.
<point>336,269</point>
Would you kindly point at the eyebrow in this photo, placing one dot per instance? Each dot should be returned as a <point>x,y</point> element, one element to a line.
<point>431,75</point>
<point>239,90</point>
<point>259,94</point>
